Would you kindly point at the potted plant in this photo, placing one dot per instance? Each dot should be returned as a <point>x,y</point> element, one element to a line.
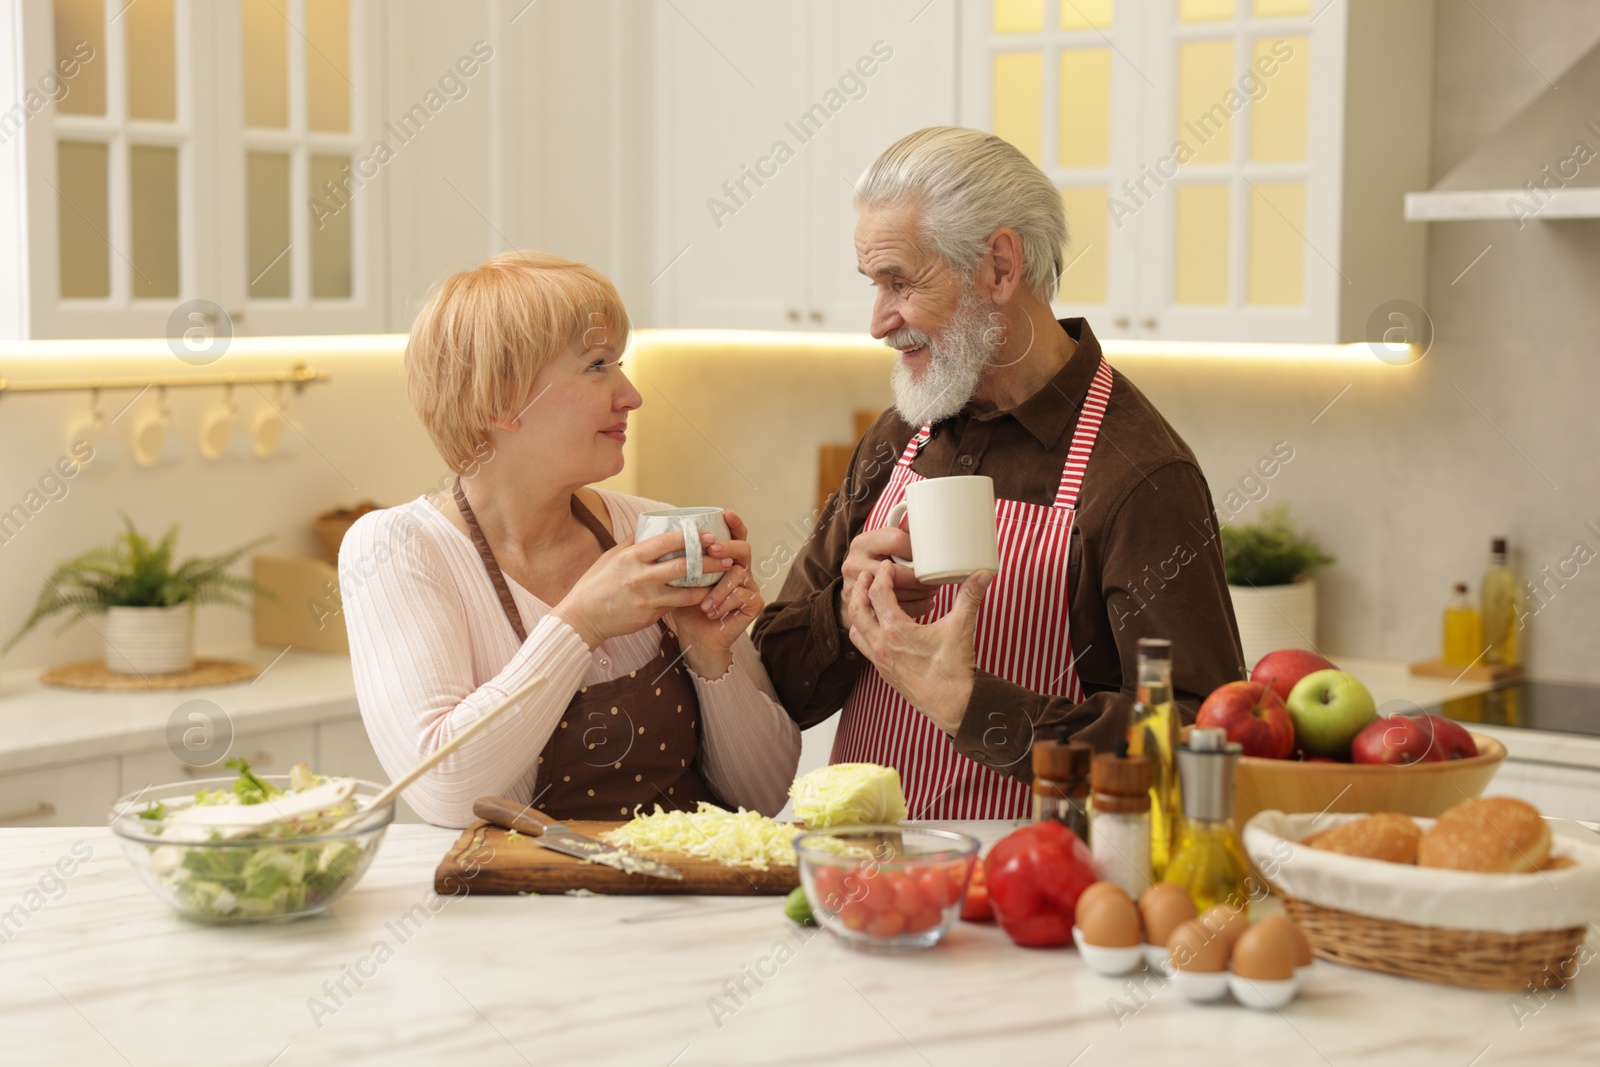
<point>1269,566</point>
<point>148,601</point>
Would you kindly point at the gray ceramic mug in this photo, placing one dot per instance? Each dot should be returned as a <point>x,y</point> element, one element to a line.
<point>693,522</point>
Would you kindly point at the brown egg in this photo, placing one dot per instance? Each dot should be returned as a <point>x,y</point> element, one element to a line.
<point>1110,921</point>
<point>1195,948</point>
<point>1302,944</point>
<point>1163,908</point>
<point>1096,892</point>
<point>1265,953</point>
<point>1226,923</point>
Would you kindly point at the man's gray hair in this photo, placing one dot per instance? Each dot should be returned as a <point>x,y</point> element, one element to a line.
<point>969,184</point>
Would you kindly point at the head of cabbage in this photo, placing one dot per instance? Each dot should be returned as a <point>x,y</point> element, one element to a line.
<point>848,794</point>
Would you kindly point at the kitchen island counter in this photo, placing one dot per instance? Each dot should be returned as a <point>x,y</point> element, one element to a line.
<point>94,969</point>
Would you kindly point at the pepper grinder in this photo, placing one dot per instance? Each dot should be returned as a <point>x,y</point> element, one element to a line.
<point>1061,782</point>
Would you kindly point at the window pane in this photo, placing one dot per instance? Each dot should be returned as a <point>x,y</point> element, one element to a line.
<point>330,231</point>
<point>1268,9</point>
<point>152,60</point>
<point>267,238</point>
<point>153,195</point>
<point>85,226</point>
<point>1018,101</point>
<point>1086,14</point>
<point>1084,280</point>
<point>1200,245</point>
<point>1086,108</point>
<point>1018,16</point>
<point>1277,251</point>
<point>266,65</point>
<point>328,65</point>
<point>1205,78</point>
<point>1205,10</point>
<point>81,38</point>
<point>1279,119</point>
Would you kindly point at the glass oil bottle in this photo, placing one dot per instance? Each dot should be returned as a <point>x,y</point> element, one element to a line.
<point>1209,861</point>
<point>1153,732</point>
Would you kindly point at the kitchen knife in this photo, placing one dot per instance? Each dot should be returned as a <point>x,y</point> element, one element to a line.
<point>556,837</point>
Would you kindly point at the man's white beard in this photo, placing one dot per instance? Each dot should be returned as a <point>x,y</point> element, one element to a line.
<point>954,364</point>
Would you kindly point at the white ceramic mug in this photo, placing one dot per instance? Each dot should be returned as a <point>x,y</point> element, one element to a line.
<point>216,430</point>
<point>693,522</point>
<point>953,533</point>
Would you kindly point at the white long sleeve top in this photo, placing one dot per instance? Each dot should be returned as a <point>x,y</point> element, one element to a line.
<point>432,651</point>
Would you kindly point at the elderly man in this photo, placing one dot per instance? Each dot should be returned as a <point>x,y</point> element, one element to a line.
<point>1106,525</point>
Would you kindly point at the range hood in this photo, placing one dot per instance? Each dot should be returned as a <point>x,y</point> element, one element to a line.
<point>1543,164</point>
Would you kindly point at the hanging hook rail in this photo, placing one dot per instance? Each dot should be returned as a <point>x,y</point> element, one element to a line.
<point>300,375</point>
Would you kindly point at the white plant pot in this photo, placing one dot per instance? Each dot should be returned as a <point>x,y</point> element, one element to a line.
<point>1275,616</point>
<point>149,640</point>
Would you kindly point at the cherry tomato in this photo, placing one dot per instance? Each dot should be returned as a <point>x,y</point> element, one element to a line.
<point>829,885</point>
<point>976,907</point>
<point>908,895</point>
<point>855,915</point>
<point>940,888</point>
<point>926,919</point>
<point>886,924</point>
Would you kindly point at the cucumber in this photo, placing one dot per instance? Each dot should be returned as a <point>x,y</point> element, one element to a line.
<point>798,908</point>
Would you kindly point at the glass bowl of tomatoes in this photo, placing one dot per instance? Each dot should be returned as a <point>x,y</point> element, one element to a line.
<point>886,888</point>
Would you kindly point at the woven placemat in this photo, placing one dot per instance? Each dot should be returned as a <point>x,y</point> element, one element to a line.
<point>92,674</point>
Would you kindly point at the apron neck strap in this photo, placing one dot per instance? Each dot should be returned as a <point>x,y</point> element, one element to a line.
<point>497,578</point>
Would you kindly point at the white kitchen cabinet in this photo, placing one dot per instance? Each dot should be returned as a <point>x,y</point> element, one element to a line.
<point>1560,791</point>
<point>268,751</point>
<point>72,794</point>
<point>1233,170</point>
<point>757,149</point>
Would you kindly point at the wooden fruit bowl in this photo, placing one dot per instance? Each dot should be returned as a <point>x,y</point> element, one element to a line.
<point>1424,789</point>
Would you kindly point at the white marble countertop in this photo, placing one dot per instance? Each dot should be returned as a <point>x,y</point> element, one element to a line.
<point>101,972</point>
<point>41,725</point>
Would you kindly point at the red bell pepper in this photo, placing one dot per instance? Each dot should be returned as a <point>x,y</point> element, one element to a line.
<point>1035,876</point>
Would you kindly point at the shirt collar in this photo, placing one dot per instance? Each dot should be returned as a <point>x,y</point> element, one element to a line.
<point>1047,413</point>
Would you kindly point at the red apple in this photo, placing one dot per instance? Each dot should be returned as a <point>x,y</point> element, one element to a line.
<point>1253,715</point>
<point>1396,739</point>
<point>1282,669</point>
<point>1451,738</point>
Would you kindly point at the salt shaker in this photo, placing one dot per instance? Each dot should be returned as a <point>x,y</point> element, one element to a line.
<point>1119,838</point>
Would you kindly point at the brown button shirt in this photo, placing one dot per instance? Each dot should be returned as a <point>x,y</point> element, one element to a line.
<point>1144,561</point>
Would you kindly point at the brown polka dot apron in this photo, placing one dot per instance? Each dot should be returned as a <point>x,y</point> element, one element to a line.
<point>629,741</point>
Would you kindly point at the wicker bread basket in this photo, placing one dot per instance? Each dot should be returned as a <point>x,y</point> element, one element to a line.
<point>1482,931</point>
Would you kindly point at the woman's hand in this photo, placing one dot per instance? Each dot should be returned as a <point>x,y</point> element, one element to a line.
<point>708,629</point>
<point>626,590</point>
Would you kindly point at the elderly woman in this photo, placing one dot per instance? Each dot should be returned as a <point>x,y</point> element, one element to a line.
<point>454,600</point>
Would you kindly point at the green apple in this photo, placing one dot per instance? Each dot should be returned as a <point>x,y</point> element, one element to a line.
<point>1329,708</point>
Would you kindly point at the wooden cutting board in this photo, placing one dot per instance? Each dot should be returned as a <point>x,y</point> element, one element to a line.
<point>485,860</point>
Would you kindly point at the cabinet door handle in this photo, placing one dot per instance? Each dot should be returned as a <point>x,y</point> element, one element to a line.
<point>1121,322</point>
<point>794,314</point>
<point>260,759</point>
<point>1148,322</point>
<point>43,811</point>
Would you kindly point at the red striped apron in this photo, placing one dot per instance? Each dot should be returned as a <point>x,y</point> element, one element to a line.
<point>1023,636</point>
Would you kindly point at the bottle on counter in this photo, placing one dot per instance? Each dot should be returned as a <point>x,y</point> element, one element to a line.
<point>1119,826</point>
<point>1061,782</point>
<point>1463,629</point>
<point>1499,609</point>
<point>1153,732</point>
<point>1209,861</point>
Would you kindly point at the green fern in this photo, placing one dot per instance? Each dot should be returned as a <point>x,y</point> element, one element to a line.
<point>133,573</point>
<point>1269,552</point>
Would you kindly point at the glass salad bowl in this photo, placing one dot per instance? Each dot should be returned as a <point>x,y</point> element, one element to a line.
<point>223,873</point>
<point>886,888</point>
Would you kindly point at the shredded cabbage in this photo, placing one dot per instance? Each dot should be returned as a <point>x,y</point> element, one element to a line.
<point>734,839</point>
<point>849,794</point>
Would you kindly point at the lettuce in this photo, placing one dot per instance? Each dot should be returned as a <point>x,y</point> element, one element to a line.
<point>848,794</point>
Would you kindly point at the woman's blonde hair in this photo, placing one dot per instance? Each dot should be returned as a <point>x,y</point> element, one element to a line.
<point>484,334</point>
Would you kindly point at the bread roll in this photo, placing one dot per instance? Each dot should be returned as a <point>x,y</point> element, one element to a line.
<point>1391,837</point>
<point>1490,834</point>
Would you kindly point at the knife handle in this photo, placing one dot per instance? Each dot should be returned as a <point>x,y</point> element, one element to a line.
<point>509,815</point>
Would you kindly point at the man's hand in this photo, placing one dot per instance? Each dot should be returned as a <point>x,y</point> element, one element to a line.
<point>868,552</point>
<point>931,665</point>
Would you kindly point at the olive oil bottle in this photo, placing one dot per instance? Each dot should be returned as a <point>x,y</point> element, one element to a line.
<point>1209,861</point>
<point>1499,612</point>
<point>1463,630</point>
<point>1153,732</point>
